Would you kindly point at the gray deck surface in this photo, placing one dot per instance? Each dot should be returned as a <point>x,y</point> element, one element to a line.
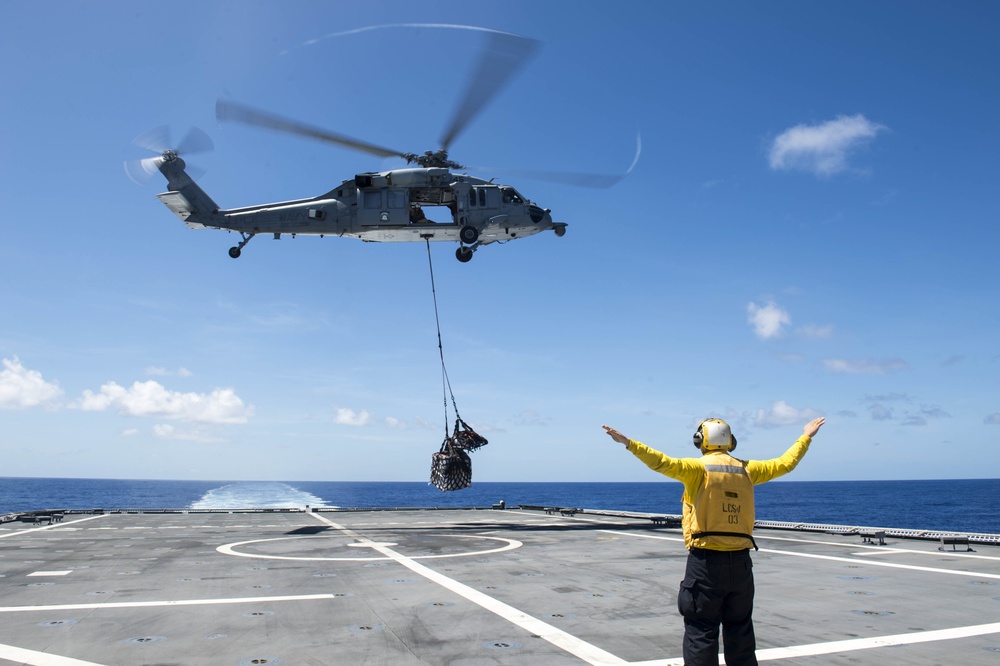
<point>462,587</point>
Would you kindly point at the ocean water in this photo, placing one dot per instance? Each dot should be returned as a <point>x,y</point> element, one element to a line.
<point>954,505</point>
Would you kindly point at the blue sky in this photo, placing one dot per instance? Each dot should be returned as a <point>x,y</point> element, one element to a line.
<point>810,231</point>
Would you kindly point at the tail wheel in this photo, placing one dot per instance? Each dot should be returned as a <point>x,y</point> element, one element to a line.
<point>234,252</point>
<point>469,235</point>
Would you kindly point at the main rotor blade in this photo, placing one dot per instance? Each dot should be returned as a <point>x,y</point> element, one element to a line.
<point>594,180</point>
<point>503,55</point>
<point>241,113</point>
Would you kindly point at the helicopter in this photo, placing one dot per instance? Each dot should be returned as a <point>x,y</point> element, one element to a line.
<point>430,200</point>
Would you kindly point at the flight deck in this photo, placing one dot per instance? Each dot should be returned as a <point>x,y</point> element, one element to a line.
<point>519,585</point>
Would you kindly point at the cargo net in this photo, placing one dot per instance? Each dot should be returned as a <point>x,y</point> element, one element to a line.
<point>451,467</point>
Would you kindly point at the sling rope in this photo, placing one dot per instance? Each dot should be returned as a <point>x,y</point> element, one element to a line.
<point>451,467</point>
<point>445,382</point>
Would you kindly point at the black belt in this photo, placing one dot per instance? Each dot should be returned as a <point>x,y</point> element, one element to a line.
<point>712,553</point>
<point>699,535</point>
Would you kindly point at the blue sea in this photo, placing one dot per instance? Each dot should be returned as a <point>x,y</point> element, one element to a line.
<point>954,505</point>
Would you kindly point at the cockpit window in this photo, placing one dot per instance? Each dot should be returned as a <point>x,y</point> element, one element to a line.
<point>511,196</point>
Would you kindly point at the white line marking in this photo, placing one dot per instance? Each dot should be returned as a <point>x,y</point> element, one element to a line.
<point>51,573</point>
<point>836,558</point>
<point>52,526</point>
<point>154,604</point>
<point>230,549</point>
<point>880,550</point>
<point>576,647</point>
<point>834,647</point>
<point>935,553</point>
<point>33,658</point>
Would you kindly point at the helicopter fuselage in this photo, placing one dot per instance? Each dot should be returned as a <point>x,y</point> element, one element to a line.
<point>400,205</point>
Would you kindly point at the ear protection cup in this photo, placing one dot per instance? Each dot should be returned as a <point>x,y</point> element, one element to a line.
<point>698,436</point>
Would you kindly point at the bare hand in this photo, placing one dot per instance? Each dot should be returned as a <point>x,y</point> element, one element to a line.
<point>813,427</point>
<point>615,435</point>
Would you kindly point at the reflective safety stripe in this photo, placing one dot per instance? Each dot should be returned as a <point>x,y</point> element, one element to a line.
<point>728,469</point>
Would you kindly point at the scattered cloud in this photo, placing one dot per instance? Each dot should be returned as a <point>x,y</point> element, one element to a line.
<point>156,371</point>
<point>953,360</point>
<point>880,408</point>
<point>934,412</point>
<point>992,419</point>
<point>21,388</point>
<point>782,414</point>
<point>167,431</point>
<point>816,331</point>
<point>150,398</point>
<point>864,366</point>
<point>767,320</point>
<point>822,149</point>
<point>886,198</point>
<point>531,418</point>
<point>889,397</point>
<point>348,417</point>
<point>880,412</point>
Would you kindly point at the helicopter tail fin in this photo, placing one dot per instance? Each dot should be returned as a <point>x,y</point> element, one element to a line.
<point>185,198</point>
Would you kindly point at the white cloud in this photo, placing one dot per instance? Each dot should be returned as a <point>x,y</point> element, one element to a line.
<point>157,371</point>
<point>150,398</point>
<point>816,331</point>
<point>992,419</point>
<point>782,414</point>
<point>880,412</point>
<point>823,148</point>
<point>349,417</point>
<point>767,320</point>
<point>21,388</point>
<point>167,431</point>
<point>839,366</point>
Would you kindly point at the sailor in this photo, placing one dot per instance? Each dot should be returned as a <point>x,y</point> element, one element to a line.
<point>718,519</point>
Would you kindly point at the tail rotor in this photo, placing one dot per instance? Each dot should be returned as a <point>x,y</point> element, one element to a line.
<point>158,140</point>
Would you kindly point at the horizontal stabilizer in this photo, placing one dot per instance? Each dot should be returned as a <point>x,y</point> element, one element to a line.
<point>181,207</point>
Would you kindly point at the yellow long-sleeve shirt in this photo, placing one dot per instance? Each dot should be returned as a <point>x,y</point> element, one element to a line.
<point>691,471</point>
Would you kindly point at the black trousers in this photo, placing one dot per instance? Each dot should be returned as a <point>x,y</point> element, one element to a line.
<point>718,590</point>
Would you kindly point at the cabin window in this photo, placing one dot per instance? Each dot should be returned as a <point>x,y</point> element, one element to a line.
<point>482,196</point>
<point>472,196</point>
<point>511,196</point>
<point>373,199</point>
<point>396,199</point>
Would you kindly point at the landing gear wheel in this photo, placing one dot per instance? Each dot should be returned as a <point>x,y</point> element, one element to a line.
<point>463,254</point>
<point>468,235</point>
<point>234,252</point>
